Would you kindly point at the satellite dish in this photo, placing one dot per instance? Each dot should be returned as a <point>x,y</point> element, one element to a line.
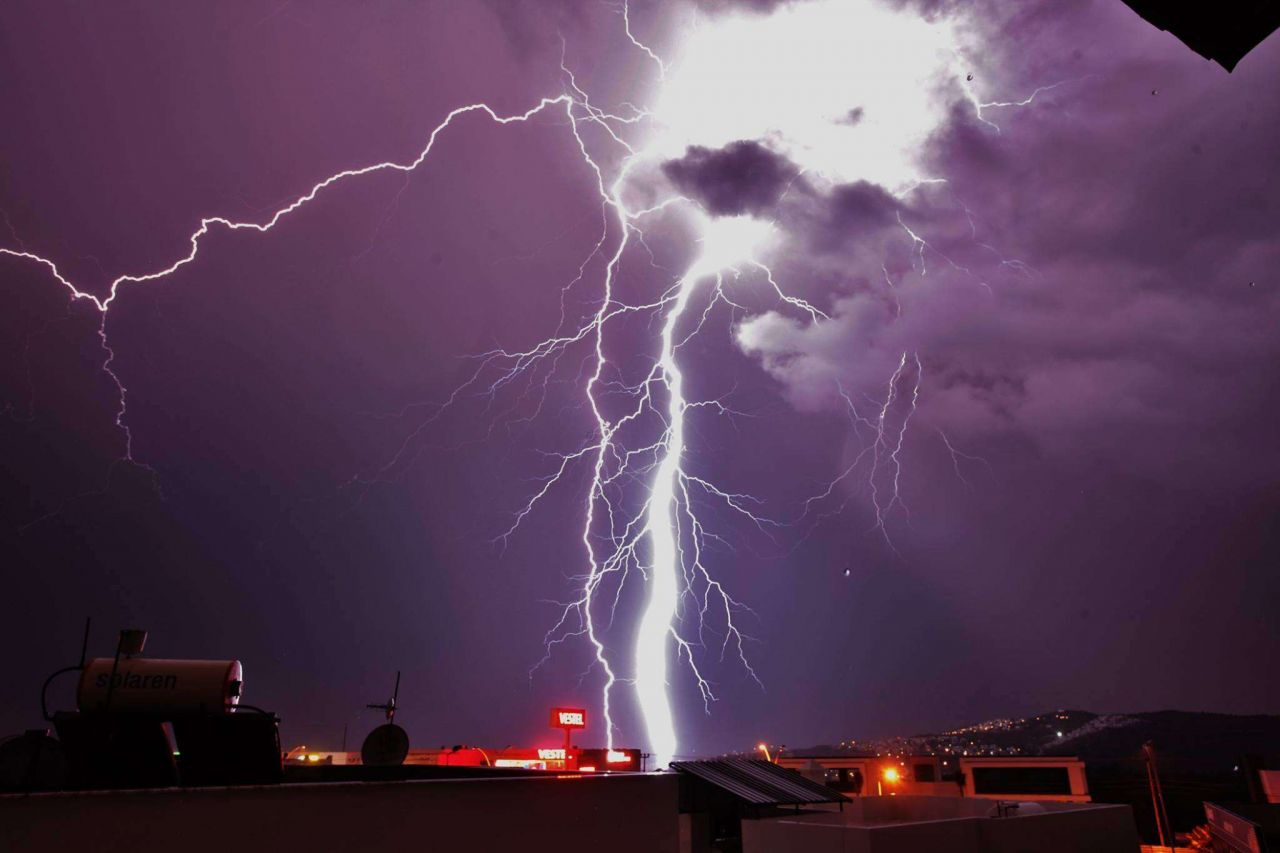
<point>387,745</point>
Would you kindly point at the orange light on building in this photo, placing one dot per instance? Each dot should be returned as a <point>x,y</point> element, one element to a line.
<point>891,775</point>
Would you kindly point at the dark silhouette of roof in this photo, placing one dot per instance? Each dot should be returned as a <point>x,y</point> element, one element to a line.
<point>760,783</point>
<point>1224,31</point>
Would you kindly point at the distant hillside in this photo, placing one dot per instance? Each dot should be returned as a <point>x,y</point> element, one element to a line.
<point>1197,741</point>
<point>1180,736</point>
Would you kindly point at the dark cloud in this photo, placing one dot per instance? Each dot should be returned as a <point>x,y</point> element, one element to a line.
<point>742,177</point>
<point>856,209</point>
<point>853,116</point>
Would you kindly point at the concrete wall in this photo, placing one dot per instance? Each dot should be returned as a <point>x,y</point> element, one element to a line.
<point>1104,829</point>
<point>784,835</point>
<point>872,810</point>
<point>627,814</point>
<point>927,824</point>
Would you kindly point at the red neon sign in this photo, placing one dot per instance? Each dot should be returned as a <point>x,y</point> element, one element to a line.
<point>568,718</point>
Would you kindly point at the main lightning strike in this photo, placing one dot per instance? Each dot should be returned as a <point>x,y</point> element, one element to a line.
<point>662,538</point>
<point>664,546</point>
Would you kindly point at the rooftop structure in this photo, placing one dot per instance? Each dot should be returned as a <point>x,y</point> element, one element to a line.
<point>1047,778</point>
<point>624,813</point>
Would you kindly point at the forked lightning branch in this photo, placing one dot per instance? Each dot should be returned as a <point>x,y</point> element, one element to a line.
<point>790,78</point>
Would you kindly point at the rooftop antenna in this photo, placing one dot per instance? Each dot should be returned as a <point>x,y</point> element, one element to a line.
<point>389,707</point>
<point>84,651</point>
<point>84,643</point>
<point>388,744</point>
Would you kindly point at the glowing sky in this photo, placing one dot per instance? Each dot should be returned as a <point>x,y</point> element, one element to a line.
<point>1085,311</point>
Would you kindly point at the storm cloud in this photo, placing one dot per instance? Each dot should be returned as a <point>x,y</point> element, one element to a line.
<point>1089,296</point>
<point>742,177</point>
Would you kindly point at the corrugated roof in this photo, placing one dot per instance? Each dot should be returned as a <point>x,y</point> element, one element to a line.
<point>760,783</point>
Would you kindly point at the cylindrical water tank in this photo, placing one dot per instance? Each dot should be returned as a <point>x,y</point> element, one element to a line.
<point>151,685</point>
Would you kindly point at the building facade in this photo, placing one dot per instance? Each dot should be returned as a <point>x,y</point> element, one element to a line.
<point>1046,779</point>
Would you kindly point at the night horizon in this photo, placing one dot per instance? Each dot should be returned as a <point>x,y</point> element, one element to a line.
<point>939,359</point>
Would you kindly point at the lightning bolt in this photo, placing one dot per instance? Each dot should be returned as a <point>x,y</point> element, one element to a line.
<point>882,453</point>
<point>208,224</point>
<point>641,46</point>
<point>603,453</point>
<point>980,106</point>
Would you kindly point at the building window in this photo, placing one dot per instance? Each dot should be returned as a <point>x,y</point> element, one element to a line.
<point>845,779</point>
<point>1021,780</point>
<point>924,773</point>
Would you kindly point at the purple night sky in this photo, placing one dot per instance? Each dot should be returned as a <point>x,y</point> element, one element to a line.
<point>1088,483</point>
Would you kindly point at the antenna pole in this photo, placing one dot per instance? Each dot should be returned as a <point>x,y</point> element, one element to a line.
<point>84,644</point>
<point>389,707</point>
<point>115,665</point>
<point>395,694</point>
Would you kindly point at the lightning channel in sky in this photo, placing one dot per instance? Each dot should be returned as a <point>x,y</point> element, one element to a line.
<point>792,78</point>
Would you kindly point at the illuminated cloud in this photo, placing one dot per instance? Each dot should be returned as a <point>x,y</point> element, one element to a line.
<point>793,77</point>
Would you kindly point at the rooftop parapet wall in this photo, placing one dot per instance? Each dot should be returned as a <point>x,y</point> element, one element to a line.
<point>627,814</point>
<point>927,824</point>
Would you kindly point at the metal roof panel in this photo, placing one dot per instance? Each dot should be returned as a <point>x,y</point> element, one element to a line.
<point>760,783</point>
